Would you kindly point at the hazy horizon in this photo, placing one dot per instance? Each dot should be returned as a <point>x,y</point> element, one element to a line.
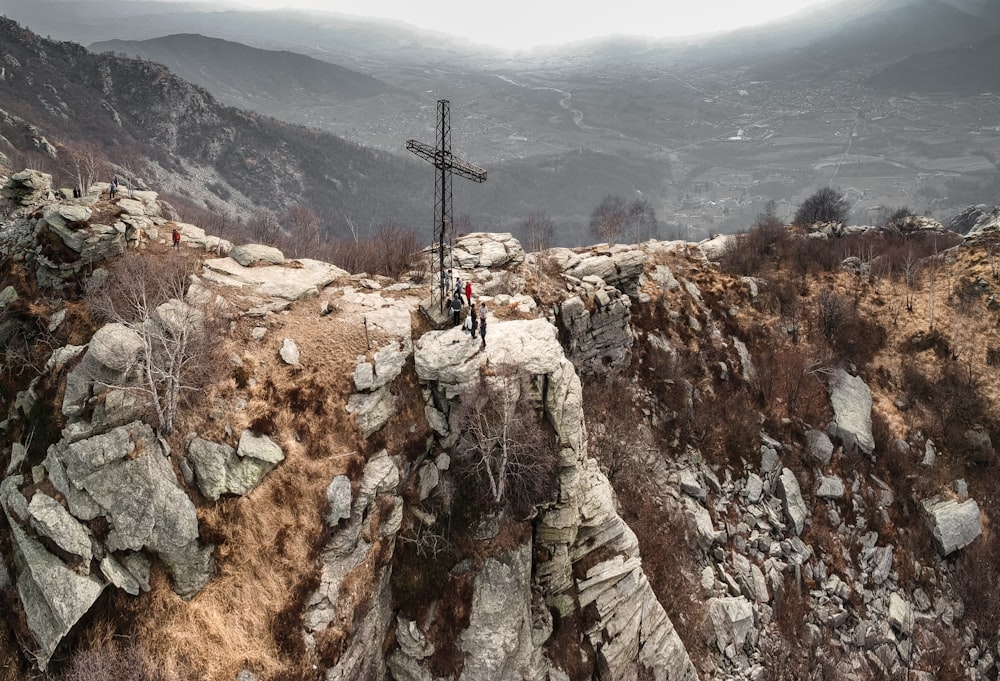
<point>521,24</point>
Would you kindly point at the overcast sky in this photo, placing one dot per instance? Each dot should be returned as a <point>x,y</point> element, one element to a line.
<point>525,23</point>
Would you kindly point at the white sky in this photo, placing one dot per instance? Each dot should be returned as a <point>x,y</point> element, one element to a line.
<point>519,24</point>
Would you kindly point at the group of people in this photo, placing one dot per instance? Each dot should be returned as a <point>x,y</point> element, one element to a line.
<point>475,319</point>
<point>113,187</point>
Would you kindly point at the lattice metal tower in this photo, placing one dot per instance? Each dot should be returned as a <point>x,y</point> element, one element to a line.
<point>445,165</point>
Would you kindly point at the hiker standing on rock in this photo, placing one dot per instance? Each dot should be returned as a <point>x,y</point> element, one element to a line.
<point>456,310</point>
<point>475,320</point>
<point>176,236</point>
<point>468,291</point>
<point>482,330</point>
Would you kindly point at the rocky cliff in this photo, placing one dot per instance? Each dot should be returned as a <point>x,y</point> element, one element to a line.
<point>709,495</point>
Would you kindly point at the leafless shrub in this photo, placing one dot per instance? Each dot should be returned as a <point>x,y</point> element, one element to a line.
<point>790,378</point>
<point>427,540</point>
<point>504,445</point>
<point>146,294</point>
<point>114,660</point>
<point>751,253</point>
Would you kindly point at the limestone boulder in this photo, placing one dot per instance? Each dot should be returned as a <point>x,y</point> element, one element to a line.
<point>66,216</point>
<point>486,250</point>
<point>819,446</point>
<point>7,296</point>
<point>372,410</point>
<point>116,347</point>
<point>953,524</point>
<point>338,494</point>
<point>303,281</point>
<point>497,643</point>
<point>220,470</point>
<point>730,622</point>
<point>900,614</point>
<point>830,488</point>
<point>125,476</point>
<point>260,447</point>
<point>250,255</point>
<point>791,497</point>
<point>289,352</point>
<point>51,520</point>
<point>54,595</point>
<point>851,400</point>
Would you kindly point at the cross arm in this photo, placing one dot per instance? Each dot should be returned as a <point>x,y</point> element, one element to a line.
<point>424,151</point>
<point>452,163</point>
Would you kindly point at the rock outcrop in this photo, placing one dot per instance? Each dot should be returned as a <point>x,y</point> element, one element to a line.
<point>629,630</point>
<point>122,476</point>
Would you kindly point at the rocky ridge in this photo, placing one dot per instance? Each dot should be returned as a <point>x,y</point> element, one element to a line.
<point>757,531</point>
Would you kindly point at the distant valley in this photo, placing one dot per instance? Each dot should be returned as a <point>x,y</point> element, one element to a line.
<point>890,101</point>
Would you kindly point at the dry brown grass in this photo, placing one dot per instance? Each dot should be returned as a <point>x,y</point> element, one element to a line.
<point>249,614</point>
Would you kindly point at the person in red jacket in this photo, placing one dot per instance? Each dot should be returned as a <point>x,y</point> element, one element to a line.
<point>468,292</point>
<point>177,238</point>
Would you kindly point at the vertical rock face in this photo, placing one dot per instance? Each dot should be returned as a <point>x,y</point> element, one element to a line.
<point>599,335</point>
<point>497,644</point>
<point>624,623</point>
<point>352,543</point>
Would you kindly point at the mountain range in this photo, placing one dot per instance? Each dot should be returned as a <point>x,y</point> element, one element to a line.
<point>707,130</point>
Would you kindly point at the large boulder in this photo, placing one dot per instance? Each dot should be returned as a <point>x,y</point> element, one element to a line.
<point>249,255</point>
<point>480,250</point>
<point>125,476</point>
<point>851,400</point>
<point>274,281</point>
<point>497,643</point>
<point>953,524</point>
<point>54,595</point>
<point>116,347</point>
<point>219,469</point>
<point>730,622</point>
<point>66,216</point>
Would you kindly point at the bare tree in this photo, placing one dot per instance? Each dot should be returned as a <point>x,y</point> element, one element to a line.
<point>911,273</point>
<point>166,349</point>
<point>86,163</point>
<point>263,227</point>
<point>503,443</point>
<point>131,164</point>
<point>608,220</point>
<point>642,219</point>
<point>825,205</point>
<point>538,229</point>
<point>305,232</point>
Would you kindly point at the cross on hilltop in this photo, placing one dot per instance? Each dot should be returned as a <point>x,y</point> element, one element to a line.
<point>445,165</point>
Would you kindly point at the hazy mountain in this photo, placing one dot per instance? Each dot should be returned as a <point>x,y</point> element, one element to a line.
<point>964,70</point>
<point>339,38</point>
<point>248,77</point>
<point>879,38</point>
<point>187,140</point>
